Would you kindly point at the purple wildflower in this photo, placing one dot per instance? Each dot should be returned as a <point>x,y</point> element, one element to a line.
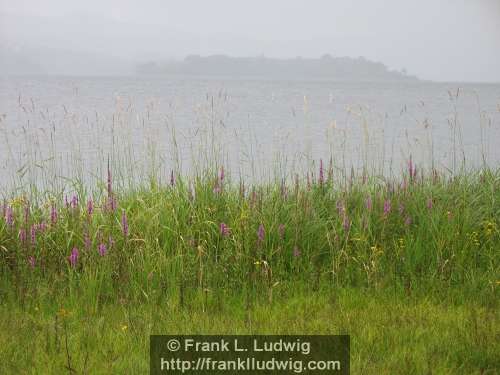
<point>87,241</point>
<point>224,230</point>
<point>408,221</point>
<point>9,216</point>
<point>321,172</point>
<point>369,203</point>
<point>53,214</point>
<point>73,258</point>
<point>74,201</point>
<point>261,233</point>
<point>172,178</point>
<point>296,252</point>
<point>33,234</point>
<point>112,203</point>
<point>412,170</point>
<point>281,231</point>
<point>387,207</point>
<point>102,249</point>
<point>346,223</point>
<point>109,187</point>
<point>90,207</point>
<point>22,235</point>
<point>124,224</point>
<point>32,262</point>
<point>429,204</point>
<point>221,175</point>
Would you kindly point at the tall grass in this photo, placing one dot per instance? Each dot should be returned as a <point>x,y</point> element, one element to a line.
<point>217,245</point>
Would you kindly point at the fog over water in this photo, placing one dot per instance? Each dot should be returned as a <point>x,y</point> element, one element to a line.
<point>443,40</point>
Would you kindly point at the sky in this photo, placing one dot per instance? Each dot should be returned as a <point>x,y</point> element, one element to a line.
<point>441,40</point>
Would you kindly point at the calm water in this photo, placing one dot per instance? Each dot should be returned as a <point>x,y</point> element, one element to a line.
<point>55,127</point>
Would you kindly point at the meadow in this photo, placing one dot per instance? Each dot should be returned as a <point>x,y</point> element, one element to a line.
<point>409,267</point>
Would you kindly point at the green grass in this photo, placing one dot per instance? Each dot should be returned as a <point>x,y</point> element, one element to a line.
<point>413,277</point>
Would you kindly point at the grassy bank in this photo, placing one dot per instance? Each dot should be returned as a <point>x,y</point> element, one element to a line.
<point>409,268</point>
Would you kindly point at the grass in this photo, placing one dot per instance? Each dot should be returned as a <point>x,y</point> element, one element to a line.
<point>409,268</point>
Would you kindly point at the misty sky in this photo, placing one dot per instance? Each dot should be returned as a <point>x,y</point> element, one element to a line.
<point>444,40</point>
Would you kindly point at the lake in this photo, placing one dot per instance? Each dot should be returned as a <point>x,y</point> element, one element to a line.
<point>53,128</point>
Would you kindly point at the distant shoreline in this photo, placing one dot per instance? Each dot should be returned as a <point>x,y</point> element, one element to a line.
<point>344,69</point>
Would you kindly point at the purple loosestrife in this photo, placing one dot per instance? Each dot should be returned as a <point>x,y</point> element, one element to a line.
<point>412,170</point>
<point>9,217</point>
<point>110,183</point>
<point>224,230</point>
<point>102,249</point>
<point>346,223</point>
<point>53,214</point>
<point>296,252</point>
<point>221,175</point>
<point>87,240</point>
<point>33,234</point>
<point>408,221</point>
<point>124,224</point>
<point>90,207</point>
<point>111,203</point>
<point>73,257</point>
<point>321,172</point>
<point>261,233</point>
<point>172,178</point>
<point>22,235</point>
<point>369,203</point>
<point>429,203</point>
<point>387,207</point>
<point>281,231</point>
<point>74,201</point>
